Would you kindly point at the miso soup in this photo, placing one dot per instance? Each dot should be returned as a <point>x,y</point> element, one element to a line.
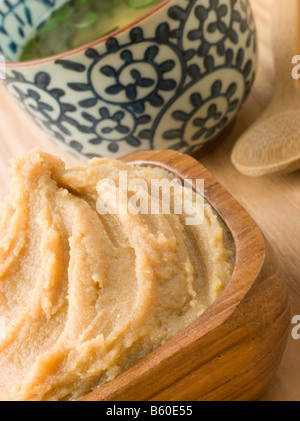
<point>79,22</point>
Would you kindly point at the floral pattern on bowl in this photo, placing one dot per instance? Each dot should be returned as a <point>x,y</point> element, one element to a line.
<point>173,80</point>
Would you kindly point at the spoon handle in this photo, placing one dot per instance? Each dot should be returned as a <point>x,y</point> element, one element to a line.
<point>284,29</point>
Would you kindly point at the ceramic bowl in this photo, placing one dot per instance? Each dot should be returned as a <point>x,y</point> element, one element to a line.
<point>173,79</point>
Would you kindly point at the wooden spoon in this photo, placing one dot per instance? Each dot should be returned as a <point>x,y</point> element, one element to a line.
<point>272,143</point>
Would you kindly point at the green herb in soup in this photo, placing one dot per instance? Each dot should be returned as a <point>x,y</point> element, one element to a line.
<point>79,22</point>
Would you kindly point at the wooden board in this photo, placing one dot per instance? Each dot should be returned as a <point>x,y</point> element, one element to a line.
<point>273,201</point>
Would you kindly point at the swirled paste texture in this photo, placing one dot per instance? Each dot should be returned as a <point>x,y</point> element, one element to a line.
<point>82,295</point>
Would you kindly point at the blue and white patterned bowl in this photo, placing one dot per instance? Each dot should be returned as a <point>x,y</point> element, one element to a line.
<point>173,79</point>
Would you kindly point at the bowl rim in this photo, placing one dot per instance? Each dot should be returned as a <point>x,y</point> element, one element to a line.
<point>246,235</point>
<point>84,47</point>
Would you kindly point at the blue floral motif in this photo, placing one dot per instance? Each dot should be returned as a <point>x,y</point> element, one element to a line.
<point>113,128</point>
<point>18,21</point>
<point>175,85</point>
<point>203,127</point>
<point>43,104</point>
<point>136,80</point>
<point>217,24</point>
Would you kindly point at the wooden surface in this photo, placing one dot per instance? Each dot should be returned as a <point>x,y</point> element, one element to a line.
<point>273,201</point>
<point>233,349</point>
<point>263,149</point>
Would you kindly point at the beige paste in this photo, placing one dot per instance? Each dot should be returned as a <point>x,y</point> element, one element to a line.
<point>83,296</point>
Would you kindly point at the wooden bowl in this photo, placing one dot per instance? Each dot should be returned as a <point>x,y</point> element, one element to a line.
<point>233,349</point>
